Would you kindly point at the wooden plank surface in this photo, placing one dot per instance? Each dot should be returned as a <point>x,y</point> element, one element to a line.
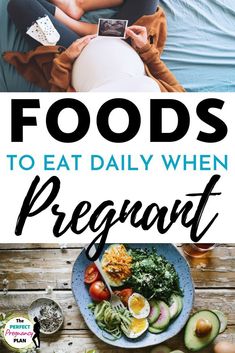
<point>17,301</point>
<point>26,246</point>
<point>37,268</point>
<point>30,268</point>
<point>80,341</point>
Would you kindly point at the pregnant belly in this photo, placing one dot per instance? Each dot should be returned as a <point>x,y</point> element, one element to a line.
<point>104,61</point>
<point>130,84</point>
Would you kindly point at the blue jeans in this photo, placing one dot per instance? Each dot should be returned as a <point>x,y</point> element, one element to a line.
<point>25,12</point>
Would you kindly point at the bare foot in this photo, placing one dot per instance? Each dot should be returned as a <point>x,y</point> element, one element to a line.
<point>81,28</point>
<point>84,28</point>
<point>73,8</point>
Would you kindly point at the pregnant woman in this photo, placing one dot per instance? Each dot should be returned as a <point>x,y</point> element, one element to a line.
<point>99,64</point>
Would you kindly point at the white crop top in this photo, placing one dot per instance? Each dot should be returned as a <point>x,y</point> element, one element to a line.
<point>110,64</point>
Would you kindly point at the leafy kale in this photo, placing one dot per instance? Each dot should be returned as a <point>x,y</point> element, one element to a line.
<point>152,275</point>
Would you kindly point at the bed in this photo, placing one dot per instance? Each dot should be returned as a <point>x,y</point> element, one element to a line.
<point>200,47</point>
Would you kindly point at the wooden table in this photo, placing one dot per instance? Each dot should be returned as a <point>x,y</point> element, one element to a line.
<point>31,268</point>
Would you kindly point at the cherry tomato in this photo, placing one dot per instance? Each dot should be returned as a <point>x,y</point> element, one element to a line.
<point>124,295</point>
<point>98,291</point>
<point>91,274</point>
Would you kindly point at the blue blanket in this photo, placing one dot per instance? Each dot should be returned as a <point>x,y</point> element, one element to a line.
<point>199,49</point>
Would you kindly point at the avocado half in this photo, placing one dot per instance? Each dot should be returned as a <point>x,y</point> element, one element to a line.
<point>191,340</point>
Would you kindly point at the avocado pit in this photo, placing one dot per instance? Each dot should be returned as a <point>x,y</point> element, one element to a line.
<point>203,327</point>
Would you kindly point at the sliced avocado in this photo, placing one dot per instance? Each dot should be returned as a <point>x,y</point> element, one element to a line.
<point>177,351</point>
<point>223,320</point>
<point>174,306</point>
<point>180,303</point>
<point>164,317</point>
<point>191,339</point>
<point>154,330</point>
<point>154,311</point>
<point>162,348</point>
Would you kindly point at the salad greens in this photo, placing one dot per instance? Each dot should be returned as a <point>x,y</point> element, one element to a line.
<point>152,275</point>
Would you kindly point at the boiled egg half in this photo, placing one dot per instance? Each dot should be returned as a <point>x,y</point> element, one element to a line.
<point>137,328</point>
<point>138,306</point>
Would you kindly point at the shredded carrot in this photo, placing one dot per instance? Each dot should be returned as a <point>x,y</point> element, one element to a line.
<point>117,263</point>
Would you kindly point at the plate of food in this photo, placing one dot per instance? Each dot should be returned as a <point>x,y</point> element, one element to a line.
<point>154,283</point>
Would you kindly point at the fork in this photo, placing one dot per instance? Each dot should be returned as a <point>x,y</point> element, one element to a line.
<point>114,299</point>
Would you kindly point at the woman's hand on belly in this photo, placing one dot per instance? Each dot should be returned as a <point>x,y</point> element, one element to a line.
<point>76,47</point>
<point>138,35</point>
